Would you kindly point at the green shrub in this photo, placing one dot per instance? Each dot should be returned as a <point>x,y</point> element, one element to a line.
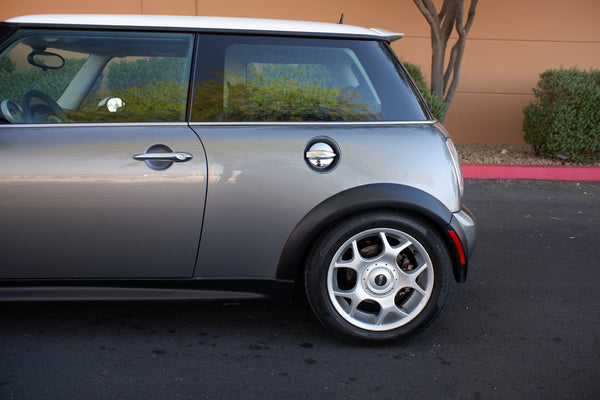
<point>154,101</point>
<point>293,95</point>
<point>564,117</point>
<point>437,106</point>
<point>6,65</point>
<point>15,83</point>
<point>281,94</point>
<point>128,73</point>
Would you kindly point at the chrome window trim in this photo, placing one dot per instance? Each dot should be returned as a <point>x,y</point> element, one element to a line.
<point>312,123</point>
<point>95,124</point>
<point>251,123</point>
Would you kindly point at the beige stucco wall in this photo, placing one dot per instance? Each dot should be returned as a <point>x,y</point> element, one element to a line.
<point>511,42</point>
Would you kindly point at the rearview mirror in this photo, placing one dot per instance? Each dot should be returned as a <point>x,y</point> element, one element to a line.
<point>45,60</point>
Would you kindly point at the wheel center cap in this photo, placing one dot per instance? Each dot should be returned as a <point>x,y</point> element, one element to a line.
<point>379,278</point>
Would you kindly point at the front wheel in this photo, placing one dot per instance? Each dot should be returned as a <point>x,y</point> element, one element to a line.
<point>378,277</point>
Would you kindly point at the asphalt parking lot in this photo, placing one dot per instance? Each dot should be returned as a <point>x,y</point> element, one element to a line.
<point>526,325</point>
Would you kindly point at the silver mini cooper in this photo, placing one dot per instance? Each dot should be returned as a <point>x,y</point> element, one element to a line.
<point>160,157</point>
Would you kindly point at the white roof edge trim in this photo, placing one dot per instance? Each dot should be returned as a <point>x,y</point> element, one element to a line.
<point>391,36</point>
<point>200,22</point>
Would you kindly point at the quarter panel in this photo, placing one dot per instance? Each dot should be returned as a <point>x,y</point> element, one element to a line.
<point>260,188</point>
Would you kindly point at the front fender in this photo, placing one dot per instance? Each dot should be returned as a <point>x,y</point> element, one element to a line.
<point>382,196</point>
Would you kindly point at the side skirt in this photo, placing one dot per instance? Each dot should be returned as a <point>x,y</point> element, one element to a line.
<point>146,290</point>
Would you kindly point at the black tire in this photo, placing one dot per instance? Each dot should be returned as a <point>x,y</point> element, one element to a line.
<point>396,286</point>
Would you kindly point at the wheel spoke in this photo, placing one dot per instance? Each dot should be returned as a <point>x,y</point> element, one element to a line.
<point>390,251</point>
<point>355,295</point>
<point>419,289</point>
<point>388,307</point>
<point>354,263</point>
<point>419,270</point>
<point>353,306</point>
<point>414,275</point>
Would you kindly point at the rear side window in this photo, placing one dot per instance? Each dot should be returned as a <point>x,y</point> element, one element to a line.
<point>51,76</point>
<point>254,78</point>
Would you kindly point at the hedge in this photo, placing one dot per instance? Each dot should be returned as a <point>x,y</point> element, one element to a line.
<point>15,83</point>
<point>129,73</point>
<point>564,117</point>
<point>281,93</point>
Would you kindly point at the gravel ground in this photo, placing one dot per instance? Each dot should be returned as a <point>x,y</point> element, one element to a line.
<point>518,154</point>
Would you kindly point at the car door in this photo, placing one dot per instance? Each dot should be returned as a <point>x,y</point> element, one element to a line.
<point>113,185</point>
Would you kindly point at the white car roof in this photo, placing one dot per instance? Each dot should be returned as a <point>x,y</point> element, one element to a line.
<point>205,23</point>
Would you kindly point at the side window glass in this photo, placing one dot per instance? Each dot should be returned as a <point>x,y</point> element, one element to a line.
<point>299,79</point>
<point>31,82</point>
<point>78,77</point>
<point>301,83</point>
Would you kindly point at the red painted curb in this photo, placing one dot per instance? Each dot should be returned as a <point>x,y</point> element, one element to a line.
<point>493,171</point>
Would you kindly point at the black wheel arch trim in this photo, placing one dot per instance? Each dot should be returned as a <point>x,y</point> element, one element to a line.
<point>383,196</point>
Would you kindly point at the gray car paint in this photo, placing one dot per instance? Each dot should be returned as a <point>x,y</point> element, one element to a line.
<point>260,186</point>
<point>74,204</point>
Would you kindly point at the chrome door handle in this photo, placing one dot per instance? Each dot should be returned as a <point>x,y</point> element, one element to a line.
<point>178,156</point>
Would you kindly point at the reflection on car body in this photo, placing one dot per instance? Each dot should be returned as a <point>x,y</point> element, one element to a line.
<point>221,158</point>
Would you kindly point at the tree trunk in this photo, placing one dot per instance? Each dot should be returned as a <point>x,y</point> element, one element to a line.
<point>445,78</point>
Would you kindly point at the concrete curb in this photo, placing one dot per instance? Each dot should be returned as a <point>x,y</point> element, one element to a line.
<point>494,171</point>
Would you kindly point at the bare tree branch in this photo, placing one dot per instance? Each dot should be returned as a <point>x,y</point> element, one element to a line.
<point>438,44</point>
<point>444,9</point>
<point>430,6</point>
<point>471,15</point>
<point>459,22</point>
<point>451,63</point>
<point>431,19</point>
<point>445,77</point>
<point>458,51</point>
<point>455,74</point>
<point>451,7</point>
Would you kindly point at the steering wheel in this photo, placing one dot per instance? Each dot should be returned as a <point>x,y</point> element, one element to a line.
<point>52,107</point>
